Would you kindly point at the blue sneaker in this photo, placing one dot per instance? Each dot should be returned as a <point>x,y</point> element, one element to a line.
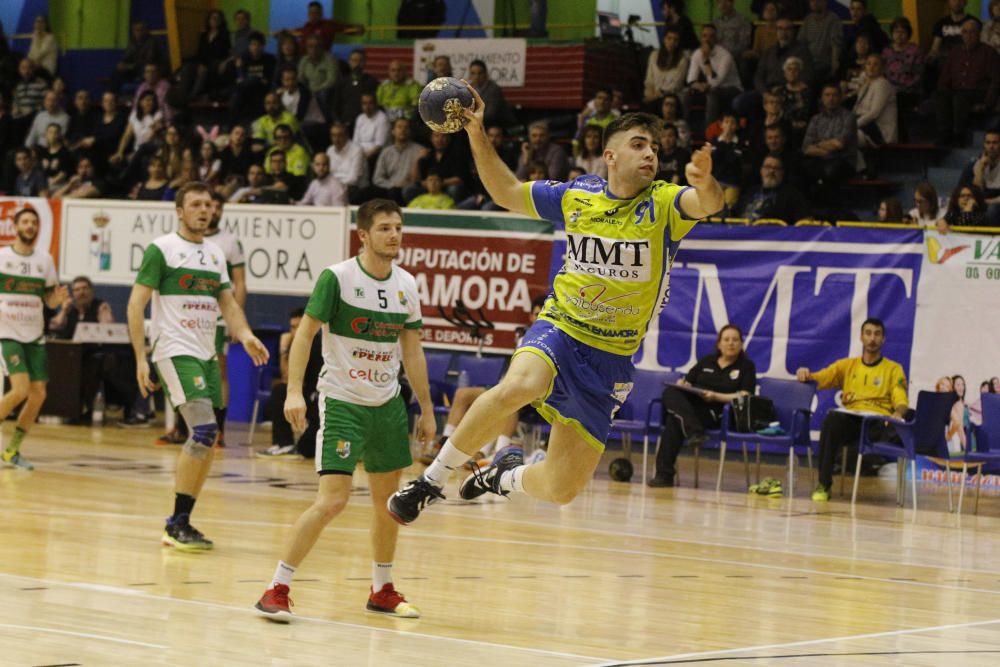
<point>17,461</point>
<point>488,480</point>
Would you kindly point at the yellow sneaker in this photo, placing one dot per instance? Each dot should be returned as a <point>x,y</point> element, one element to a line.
<point>821,495</point>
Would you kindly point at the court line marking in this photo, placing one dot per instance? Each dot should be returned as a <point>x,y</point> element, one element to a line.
<point>667,659</point>
<point>425,534</point>
<point>83,635</point>
<point>114,590</point>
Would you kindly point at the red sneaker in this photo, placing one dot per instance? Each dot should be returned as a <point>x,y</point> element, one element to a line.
<point>275,605</point>
<point>389,601</point>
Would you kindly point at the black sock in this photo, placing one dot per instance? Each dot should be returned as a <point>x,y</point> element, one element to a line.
<point>183,505</point>
<point>220,417</point>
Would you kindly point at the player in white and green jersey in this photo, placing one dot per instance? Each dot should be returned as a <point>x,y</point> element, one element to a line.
<point>186,278</point>
<point>574,365</point>
<point>28,282</point>
<point>368,310</point>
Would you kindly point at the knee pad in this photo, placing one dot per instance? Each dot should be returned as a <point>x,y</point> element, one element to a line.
<point>196,450</point>
<point>201,422</point>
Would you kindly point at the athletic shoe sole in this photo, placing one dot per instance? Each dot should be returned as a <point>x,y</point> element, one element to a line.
<point>168,541</point>
<point>280,616</point>
<point>405,610</point>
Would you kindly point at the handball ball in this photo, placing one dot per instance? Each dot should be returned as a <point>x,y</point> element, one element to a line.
<point>442,102</point>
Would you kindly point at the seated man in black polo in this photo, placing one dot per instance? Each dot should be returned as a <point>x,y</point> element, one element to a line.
<point>102,365</point>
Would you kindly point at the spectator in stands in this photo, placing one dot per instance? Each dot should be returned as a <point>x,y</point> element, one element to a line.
<point>274,115</point>
<point>984,173</point>
<point>435,197</point>
<point>674,17</point>
<point>171,149</point>
<point>853,76</point>
<point>28,97</point>
<point>588,153</point>
<point>795,98</point>
<point>56,160</point>
<point>288,53</point>
<point>765,34</point>
<point>30,180</point>
<point>242,31</point>
<point>601,116</point>
<point>446,160</point>
<point>209,164</point>
<point>722,376</point>
<point>672,158</point>
<point>295,97</point>
<point>347,92</point>
<point>890,210</point>
<point>324,189</point>
<point>876,110</point>
<point>44,49</point>
<point>776,143</point>
<point>537,172</point>
<point>8,63</point>
<point>203,73</point>
<point>823,34</point>
<point>142,49</point>
<point>771,69</point>
<point>82,122</point>
<point>281,179</point>
<point>257,189</point>
<point>110,126</point>
<point>371,128</point>
<point>50,114</point>
<point>712,73</point>
<point>296,157</point>
<point>966,208</point>
<point>347,160</point>
<point>925,210</point>
<point>237,156</point>
<point>143,124</point>
<point>904,61</point>
<point>398,95</point>
<point>540,148</point>
<point>870,384</point>
<point>153,81</point>
<point>324,29</point>
<point>394,169</point>
<point>991,30</point>
<point>506,150</point>
<point>497,110</point>
<point>83,184</point>
<point>672,113</point>
<point>254,73</point>
<point>440,66</point>
<point>319,71</point>
<point>666,70</point>
<point>863,23</point>
<point>154,188</point>
<point>830,145</point>
<point>734,33</point>
<point>728,157</point>
<point>773,198</point>
<point>774,114</point>
<point>948,30</point>
<point>969,82</point>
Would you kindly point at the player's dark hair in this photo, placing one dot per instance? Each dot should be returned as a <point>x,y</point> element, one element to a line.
<point>371,208</point>
<point>630,121</point>
<point>83,279</point>
<point>23,211</point>
<point>298,312</point>
<point>875,322</point>
<point>193,186</point>
<point>217,196</point>
<point>478,62</point>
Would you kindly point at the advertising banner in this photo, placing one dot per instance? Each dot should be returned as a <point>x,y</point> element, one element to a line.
<point>49,220</point>
<point>504,57</point>
<point>286,247</point>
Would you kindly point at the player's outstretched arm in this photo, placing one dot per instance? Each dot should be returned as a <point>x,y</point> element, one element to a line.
<point>298,359</point>
<point>237,323</point>
<point>705,198</point>
<point>503,186</point>
<point>137,301</point>
<point>416,369</point>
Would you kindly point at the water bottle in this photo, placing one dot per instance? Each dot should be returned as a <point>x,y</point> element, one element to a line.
<point>463,379</point>
<point>97,413</point>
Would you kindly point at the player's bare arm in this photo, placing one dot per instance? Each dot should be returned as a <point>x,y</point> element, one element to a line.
<point>503,186</point>
<point>137,301</point>
<point>298,358</point>
<point>238,277</point>
<point>416,369</point>
<point>237,323</point>
<point>705,197</point>
<point>57,296</point>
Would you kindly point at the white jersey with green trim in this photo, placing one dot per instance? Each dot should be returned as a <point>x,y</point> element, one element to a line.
<point>24,280</point>
<point>231,248</point>
<point>362,318</point>
<point>187,278</point>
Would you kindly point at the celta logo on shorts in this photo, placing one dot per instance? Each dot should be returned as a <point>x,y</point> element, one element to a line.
<point>15,359</point>
<point>343,448</point>
<point>199,382</point>
<point>617,259</point>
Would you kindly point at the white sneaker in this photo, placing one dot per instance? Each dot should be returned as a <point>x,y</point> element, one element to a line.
<point>279,452</point>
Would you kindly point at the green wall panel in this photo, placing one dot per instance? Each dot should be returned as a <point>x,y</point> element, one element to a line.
<point>90,24</point>
<point>259,11</point>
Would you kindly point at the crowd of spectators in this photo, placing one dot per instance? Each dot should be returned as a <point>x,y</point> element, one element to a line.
<point>795,103</point>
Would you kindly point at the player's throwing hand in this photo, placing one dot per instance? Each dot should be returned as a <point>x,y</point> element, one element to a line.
<point>699,169</point>
<point>475,114</point>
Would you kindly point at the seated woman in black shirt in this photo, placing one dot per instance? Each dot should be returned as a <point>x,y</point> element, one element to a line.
<point>724,375</point>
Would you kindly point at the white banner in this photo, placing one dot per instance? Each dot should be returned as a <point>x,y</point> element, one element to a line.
<point>286,247</point>
<point>958,324</point>
<point>504,58</point>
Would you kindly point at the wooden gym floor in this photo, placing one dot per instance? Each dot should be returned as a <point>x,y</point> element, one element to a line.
<point>623,575</point>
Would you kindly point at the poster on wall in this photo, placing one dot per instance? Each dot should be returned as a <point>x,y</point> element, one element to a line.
<point>49,219</point>
<point>504,57</point>
<point>286,247</point>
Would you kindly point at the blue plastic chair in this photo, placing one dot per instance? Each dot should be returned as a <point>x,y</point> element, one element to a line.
<point>793,407</point>
<point>481,371</point>
<point>987,445</point>
<point>438,365</point>
<point>642,412</point>
<point>263,379</point>
<point>924,434</point>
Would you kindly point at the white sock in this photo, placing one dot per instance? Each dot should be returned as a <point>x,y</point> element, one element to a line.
<point>503,441</point>
<point>448,430</point>
<point>282,574</point>
<point>513,479</point>
<point>448,459</point>
<point>381,575</point>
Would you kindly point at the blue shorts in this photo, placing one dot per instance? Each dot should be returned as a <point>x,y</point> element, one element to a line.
<point>589,384</point>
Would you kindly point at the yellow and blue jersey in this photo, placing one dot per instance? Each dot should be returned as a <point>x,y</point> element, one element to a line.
<point>616,275</point>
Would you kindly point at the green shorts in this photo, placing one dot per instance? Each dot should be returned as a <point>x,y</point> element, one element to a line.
<point>349,433</point>
<point>29,358</point>
<point>187,378</point>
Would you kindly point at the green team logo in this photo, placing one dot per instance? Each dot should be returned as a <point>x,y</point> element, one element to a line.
<point>343,448</point>
<point>359,292</point>
<point>199,382</point>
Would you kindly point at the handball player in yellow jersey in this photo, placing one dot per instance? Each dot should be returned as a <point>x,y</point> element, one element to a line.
<point>575,363</point>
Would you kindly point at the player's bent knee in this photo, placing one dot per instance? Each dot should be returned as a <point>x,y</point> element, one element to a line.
<point>196,450</point>
<point>328,510</point>
<point>517,392</point>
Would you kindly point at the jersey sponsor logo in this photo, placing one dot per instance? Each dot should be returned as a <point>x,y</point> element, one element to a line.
<point>601,332</point>
<point>370,375</point>
<point>585,202</point>
<point>200,305</point>
<point>343,448</point>
<point>359,292</point>
<point>194,283</point>
<point>402,298</point>
<point>371,355</point>
<point>15,285</point>
<point>365,325</point>
<point>616,259</point>
<point>197,324</point>
<point>589,299</point>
